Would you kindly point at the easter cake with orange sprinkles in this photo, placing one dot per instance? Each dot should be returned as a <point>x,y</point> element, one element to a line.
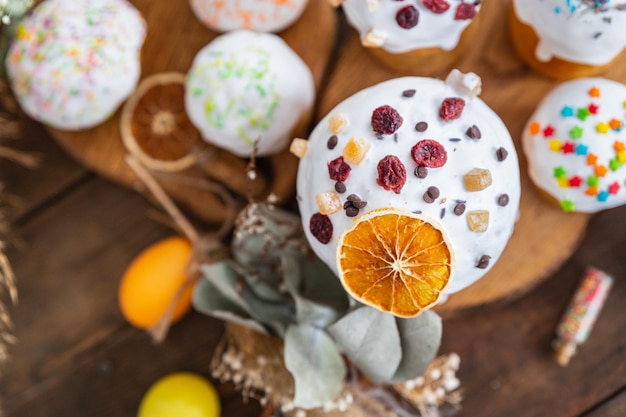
<point>257,15</point>
<point>73,62</point>
<point>575,144</point>
<point>409,190</point>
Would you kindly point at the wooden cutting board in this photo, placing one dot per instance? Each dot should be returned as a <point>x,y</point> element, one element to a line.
<point>544,236</point>
<point>174,37</point>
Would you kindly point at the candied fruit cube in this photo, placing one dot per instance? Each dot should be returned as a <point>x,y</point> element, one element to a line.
<point>478,220</point>
<point>374,39</point>
<point>477,179</point>
<point>337,123</point>
<point>329,202</point>
<point>355,150</point>
<point>299,147</point>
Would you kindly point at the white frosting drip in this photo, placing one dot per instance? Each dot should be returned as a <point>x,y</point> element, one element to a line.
<point>257,15</point>
<point>463,156</point>
<point>583,35</point>
<point>245,86</point>
<point>73,62</point>
<point>542,161</point>
<point>432,31</point>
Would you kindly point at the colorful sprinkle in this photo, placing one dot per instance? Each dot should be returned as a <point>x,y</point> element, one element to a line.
<point>592,181</point>
<point>576,132</point>
<point>594,92</point>
<point>582,149</point>
<point>555,145</point>
<point>568,147</point>
<point>603,196</point>
<point>575,181</point>
<point>563,182</point>
<point>534,128</point>
<point>615,164</point>
<point>614,188</point>
<point>602,128</point>
<point>592,159</point>
<point>619,146</point>
<point>548,131</point>
<point>601,170</point>
<point>567,111</point>
<point>591,191</point>
<point>593,108</point>
<point>559,172</point>
<point>615,124</point>
<point>583,113</point>
<point>567,205</point>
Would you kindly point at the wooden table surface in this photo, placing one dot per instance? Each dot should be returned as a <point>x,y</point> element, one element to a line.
<point>75,233</point>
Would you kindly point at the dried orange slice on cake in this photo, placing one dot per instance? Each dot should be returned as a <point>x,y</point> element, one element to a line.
<point>396,261</point>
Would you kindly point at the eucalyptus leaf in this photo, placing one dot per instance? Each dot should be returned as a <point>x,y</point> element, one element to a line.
<point>370,338</point>
<point>420,339</point>
<point>226,280</point>
<point>208,300</point>
<point>317,368</point>
<point>276,316</point>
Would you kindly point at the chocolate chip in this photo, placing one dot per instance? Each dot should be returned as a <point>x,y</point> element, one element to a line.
<point>340,187</point>
<point>360,204</point>
<point>332,142</point>
<point>421,126</point>
<point>347,204</point>
<point>421,172</point>
<point>352,211</point>
<point>408,93</point>
<point>353,198</point>
<point>597,35</point>
<point>473,132</point>
<point>503,200</point>
<point>443,212</point>
<point>431,194</point>
<point>483,262</point>
<point>379,136</point>
<point>454,139</point>
<point>501,154</point>
<point>418,212</point>
<point>395,137</point>
<point>459,209</point>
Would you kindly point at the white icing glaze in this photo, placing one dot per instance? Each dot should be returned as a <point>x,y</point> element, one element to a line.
<point>257,15</point>
<point>245,86</point>
<point>463,156</point>
<point>577,32</point>
<point>432,30</point>
<point>542,161</point>
<point>73,62</point>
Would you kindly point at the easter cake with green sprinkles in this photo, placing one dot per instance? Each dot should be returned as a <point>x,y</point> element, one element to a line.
<point>245,87</point>
<point>575,143</point>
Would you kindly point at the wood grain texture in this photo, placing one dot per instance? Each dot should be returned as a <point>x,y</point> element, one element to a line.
<point>614,407</point>
<point>544,236</point>
<point>174,37</point>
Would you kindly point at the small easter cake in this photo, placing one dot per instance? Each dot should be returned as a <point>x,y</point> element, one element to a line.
<point>73,62</point>
<point>257,15</point>
<point>423,36</point>
<point>575,144</point>
<point>246,86</point>
<point>405,184</point>
<point>567,39</point>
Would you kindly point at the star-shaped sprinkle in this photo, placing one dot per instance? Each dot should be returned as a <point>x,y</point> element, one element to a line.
<point>559,172</point>
<point>555,145</point>
<point>563,182</point>
<point>548,131</point>
<point>594,92</point>
<point>582,149</point>
<point>602,128</point>
<point>592,181</point>
<point>576,132</point>
<point>603,196</point>
<point>593,108</point>
<point>567,111</point>
<point>615,164</point>
<point>614,188</point>
<point>601,170</point>
<point>575,181</point>
<point>615,124</point>
<point>583,113</point>
<point>568,147</point>
<point>567,205</point>
<point>592,159</point>
<point>619,146</point>
<point>621,156</point>
<point>591,191</point>
<point>534,128</point>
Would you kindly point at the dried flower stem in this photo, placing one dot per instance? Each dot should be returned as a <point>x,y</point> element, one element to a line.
<point>22,158</point>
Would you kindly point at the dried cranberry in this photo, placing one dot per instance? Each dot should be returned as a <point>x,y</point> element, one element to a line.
<point>451,108</point>
<point>338,170</point>
<point>436,6</point>
<point>429,153</point>
<point>407,17</point>
<point>321,227</point>
<point>391,173</point>
<point>465,11</point>
<point>386,120</point>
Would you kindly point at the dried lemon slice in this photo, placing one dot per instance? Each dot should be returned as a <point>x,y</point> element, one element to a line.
<point>396,261</point>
